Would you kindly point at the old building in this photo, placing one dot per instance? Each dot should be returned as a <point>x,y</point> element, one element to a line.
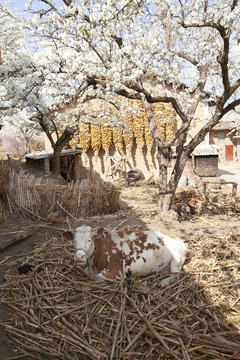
<point>227,139</point>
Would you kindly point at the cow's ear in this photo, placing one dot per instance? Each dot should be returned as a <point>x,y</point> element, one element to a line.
<point>68,235</point>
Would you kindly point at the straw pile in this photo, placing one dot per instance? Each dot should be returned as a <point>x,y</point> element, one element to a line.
<point>28,197</point>
<point>4,167</point>
<point>58,312</point>
<point>209,203</point>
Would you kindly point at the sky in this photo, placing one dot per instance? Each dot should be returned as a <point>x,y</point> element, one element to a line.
<point>20,4</point>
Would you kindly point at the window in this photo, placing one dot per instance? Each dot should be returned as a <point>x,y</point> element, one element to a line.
<point>221,135</point>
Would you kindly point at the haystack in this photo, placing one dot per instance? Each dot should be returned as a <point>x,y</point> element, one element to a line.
<point>58,312</point>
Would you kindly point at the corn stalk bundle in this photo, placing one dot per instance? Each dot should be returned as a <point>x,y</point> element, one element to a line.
<point>4,168</point>
<point>118,139</point>
<point>58,311</point>
<point>209,203</point>
<point>28,197</point>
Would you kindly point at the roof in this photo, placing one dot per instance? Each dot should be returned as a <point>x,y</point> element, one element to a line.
<point>205,150</point>
<point>48,155</point>
<point>223,125</point>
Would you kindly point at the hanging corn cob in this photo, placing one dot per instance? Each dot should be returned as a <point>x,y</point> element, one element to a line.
<point>170,125</point>
<point>138,127</point>
<point>160,118</point>
<point>96,139</point>
<point>74,142</point>
<point>128,135</point>
<point>106,132</point>
<point>165,120</point>
<point>149,139</point>
<point>84,140</point>
<point>118,139</point>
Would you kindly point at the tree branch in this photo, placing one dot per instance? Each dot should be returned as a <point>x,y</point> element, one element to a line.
<point>231,106</point>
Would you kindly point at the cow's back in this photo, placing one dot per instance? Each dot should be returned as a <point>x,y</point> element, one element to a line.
<point>143,252</point>
<point>107,256</point>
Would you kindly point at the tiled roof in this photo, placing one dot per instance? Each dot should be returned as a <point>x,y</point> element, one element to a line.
<point>205,150</point>
<point>224,125</point>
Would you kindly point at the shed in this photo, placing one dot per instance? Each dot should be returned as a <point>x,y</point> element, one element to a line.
<point>44,162</point>
<point>205,160</point>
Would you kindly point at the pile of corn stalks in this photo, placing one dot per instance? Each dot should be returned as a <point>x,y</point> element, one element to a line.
<point>28,197</point>
<point>209,203</point>
<point>58,311</point>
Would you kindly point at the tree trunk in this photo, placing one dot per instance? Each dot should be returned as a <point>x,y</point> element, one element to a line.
<point>168,182</point>
<point>56,160</point>
<point>166,190</point>
<point>58,146</point>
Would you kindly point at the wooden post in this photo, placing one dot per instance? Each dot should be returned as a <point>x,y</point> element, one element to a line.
<point>204,187</point>
<point>46,166</point>
<point>234,189</point>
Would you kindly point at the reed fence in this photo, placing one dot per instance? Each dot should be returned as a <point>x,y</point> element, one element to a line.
<point>34,197</point>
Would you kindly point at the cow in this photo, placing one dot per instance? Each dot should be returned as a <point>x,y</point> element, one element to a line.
<point>108,253</point>
<point>133,176</point>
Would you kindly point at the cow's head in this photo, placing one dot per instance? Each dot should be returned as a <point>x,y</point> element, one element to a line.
<point>84,244</point>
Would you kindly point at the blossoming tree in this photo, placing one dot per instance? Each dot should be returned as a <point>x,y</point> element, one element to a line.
<point>180,52</point>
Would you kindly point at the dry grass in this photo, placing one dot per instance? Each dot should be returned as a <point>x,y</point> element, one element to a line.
<point>210,203</point>
<point>28,197</point>
<point>4,167</point>
<point>58,312</point>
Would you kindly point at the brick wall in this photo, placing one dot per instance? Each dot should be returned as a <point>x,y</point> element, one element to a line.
<point>206,165</point>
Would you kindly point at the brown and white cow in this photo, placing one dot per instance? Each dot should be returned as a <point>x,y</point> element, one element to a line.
<point>111,252</point>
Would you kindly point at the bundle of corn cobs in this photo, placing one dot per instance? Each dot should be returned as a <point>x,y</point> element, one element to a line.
<point>102,136</point>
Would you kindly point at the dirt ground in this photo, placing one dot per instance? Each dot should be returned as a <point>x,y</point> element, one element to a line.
<point>138,211</point>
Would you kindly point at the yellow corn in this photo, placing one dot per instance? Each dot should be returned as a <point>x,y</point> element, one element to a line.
<point>96,138</point>
<point>118,138</point>
<point>138,127</point>
<point>106,132</point>
<point>84,139</point>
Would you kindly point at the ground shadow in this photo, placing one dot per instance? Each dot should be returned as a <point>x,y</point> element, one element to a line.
<point>192,318</point>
